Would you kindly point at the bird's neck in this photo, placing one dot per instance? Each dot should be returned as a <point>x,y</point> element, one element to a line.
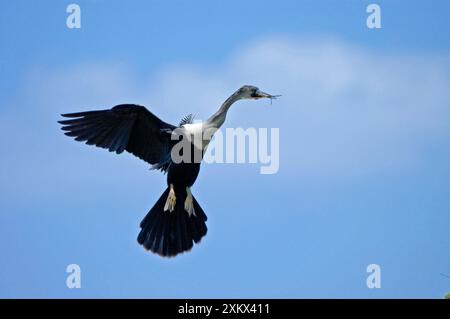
<point>218,118</point>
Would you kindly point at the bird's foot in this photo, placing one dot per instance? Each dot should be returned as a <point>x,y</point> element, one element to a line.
<point>189,203</point>
<point>171,200</point>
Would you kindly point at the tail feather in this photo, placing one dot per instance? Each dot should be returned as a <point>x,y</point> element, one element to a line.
<point>197,226</point>
<point>171,233</point>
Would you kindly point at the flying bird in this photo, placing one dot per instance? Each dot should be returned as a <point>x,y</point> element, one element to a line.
<point>176,221</point>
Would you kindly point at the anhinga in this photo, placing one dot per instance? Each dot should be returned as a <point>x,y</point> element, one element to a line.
<point>176,220</point>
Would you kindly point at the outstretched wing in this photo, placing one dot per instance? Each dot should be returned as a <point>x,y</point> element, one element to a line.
<point>124,127</point>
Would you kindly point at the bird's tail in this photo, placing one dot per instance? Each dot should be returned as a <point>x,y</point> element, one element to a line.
<point>171,233</point>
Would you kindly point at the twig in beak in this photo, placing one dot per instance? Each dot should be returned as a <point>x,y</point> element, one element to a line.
<point>273,97</point>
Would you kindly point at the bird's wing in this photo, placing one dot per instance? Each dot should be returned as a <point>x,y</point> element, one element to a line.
<point>124,127</point>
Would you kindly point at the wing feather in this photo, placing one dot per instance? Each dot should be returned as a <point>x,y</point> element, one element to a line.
<point>124,127</point>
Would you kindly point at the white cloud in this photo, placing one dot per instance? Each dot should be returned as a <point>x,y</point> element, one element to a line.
<point>345,111</point>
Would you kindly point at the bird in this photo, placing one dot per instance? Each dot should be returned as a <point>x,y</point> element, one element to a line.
<point>176,221</point>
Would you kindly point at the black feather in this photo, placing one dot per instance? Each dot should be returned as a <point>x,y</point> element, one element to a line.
<point>124,127</point>
<point>171,233</point>
<point>188,119</point>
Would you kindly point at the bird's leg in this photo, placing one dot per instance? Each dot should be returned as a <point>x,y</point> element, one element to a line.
<point>171,200</point>
<point>189,202</point>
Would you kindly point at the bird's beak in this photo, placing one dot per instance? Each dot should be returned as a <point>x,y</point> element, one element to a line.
<point>262,95</point>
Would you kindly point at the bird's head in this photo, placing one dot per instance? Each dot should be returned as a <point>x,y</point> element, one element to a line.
<point>252,92</point>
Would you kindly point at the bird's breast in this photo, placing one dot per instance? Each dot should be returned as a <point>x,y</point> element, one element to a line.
<point>198,134</point>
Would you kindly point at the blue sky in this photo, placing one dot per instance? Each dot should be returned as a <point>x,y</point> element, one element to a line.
<point>364,148</point>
